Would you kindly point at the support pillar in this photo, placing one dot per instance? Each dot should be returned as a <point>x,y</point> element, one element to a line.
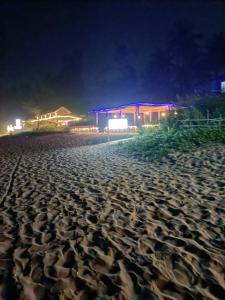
<point>136,114</point>
<point>135,119</point>
<point>96,118</point>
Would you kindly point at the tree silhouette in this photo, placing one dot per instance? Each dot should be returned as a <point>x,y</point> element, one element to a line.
<point>185,57</point>
<point>215,55</point>
<point>175,70</point>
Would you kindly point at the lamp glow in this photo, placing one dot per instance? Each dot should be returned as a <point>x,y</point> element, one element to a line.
<point>10,128</point>
<point>117,124</point>
<point>223,87</point>
<point>163,114</point>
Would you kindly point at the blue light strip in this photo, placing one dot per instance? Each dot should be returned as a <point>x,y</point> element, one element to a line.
<point>137,104</point>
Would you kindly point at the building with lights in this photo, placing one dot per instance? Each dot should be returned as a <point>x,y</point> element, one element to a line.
<point>59,117</point>
<point>136,114</point>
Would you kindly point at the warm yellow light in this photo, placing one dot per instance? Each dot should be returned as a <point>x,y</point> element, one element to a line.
<point>147,113</point>
<point>150,125</point>
<point>175,113</point>
<point>163,114</point>
<point>115,116</point>
<point>57,117</point>
<point>10,128</point>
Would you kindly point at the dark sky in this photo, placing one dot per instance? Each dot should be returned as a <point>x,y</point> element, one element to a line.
<point>70,52</point>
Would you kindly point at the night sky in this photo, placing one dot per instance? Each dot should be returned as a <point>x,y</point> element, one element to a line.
<point>73,53</point>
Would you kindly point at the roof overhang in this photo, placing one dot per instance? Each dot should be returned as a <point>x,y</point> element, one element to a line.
<point>140,106</point>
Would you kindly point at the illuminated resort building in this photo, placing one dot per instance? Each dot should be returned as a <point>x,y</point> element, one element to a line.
<point>136,114</point>
<point>59,117</point>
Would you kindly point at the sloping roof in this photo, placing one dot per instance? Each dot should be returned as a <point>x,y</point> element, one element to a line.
<point>62,110</point>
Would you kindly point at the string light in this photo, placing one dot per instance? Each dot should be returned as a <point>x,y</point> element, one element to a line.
<point>57,117</point>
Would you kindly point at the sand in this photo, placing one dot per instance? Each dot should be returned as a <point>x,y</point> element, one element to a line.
<point>85,223</point>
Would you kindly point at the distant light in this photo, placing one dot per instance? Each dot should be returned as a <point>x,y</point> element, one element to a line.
<point>150,125</point>
<point>18,125</point>
<point>10,128</point>
<point>223,87</point>
<point>114,116</point>
<point>175,113</point>
<point>139,117</point>
<point>117,124</point>
<point>147,113</point>
<point>163,114</point>
<point>122,115</point>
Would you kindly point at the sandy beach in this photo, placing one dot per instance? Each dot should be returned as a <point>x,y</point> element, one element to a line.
<point>78,221</point>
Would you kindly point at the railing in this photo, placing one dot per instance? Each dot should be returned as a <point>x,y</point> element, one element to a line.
<point>217,122</point>
<point>84,129</point>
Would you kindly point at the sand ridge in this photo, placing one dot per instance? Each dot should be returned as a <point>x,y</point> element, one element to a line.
<point>85,223</point>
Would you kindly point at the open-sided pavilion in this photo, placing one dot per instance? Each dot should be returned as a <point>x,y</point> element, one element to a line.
<point>139,113</point>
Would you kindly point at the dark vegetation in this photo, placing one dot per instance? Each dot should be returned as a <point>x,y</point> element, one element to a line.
<point>172,137</point>
<point>157,143</point>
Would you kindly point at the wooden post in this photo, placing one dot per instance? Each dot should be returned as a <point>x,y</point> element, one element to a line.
<point>38,124</point>
<point>207,116</point>
<point>136,114</point>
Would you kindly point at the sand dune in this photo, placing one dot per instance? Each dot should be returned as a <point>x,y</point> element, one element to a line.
<point>85,223</point>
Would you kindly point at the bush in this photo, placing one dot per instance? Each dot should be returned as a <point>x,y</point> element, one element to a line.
<point>155,144</point>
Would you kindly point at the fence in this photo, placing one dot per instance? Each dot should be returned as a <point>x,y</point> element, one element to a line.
<point>189,123</point>
<point>84,129</point>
